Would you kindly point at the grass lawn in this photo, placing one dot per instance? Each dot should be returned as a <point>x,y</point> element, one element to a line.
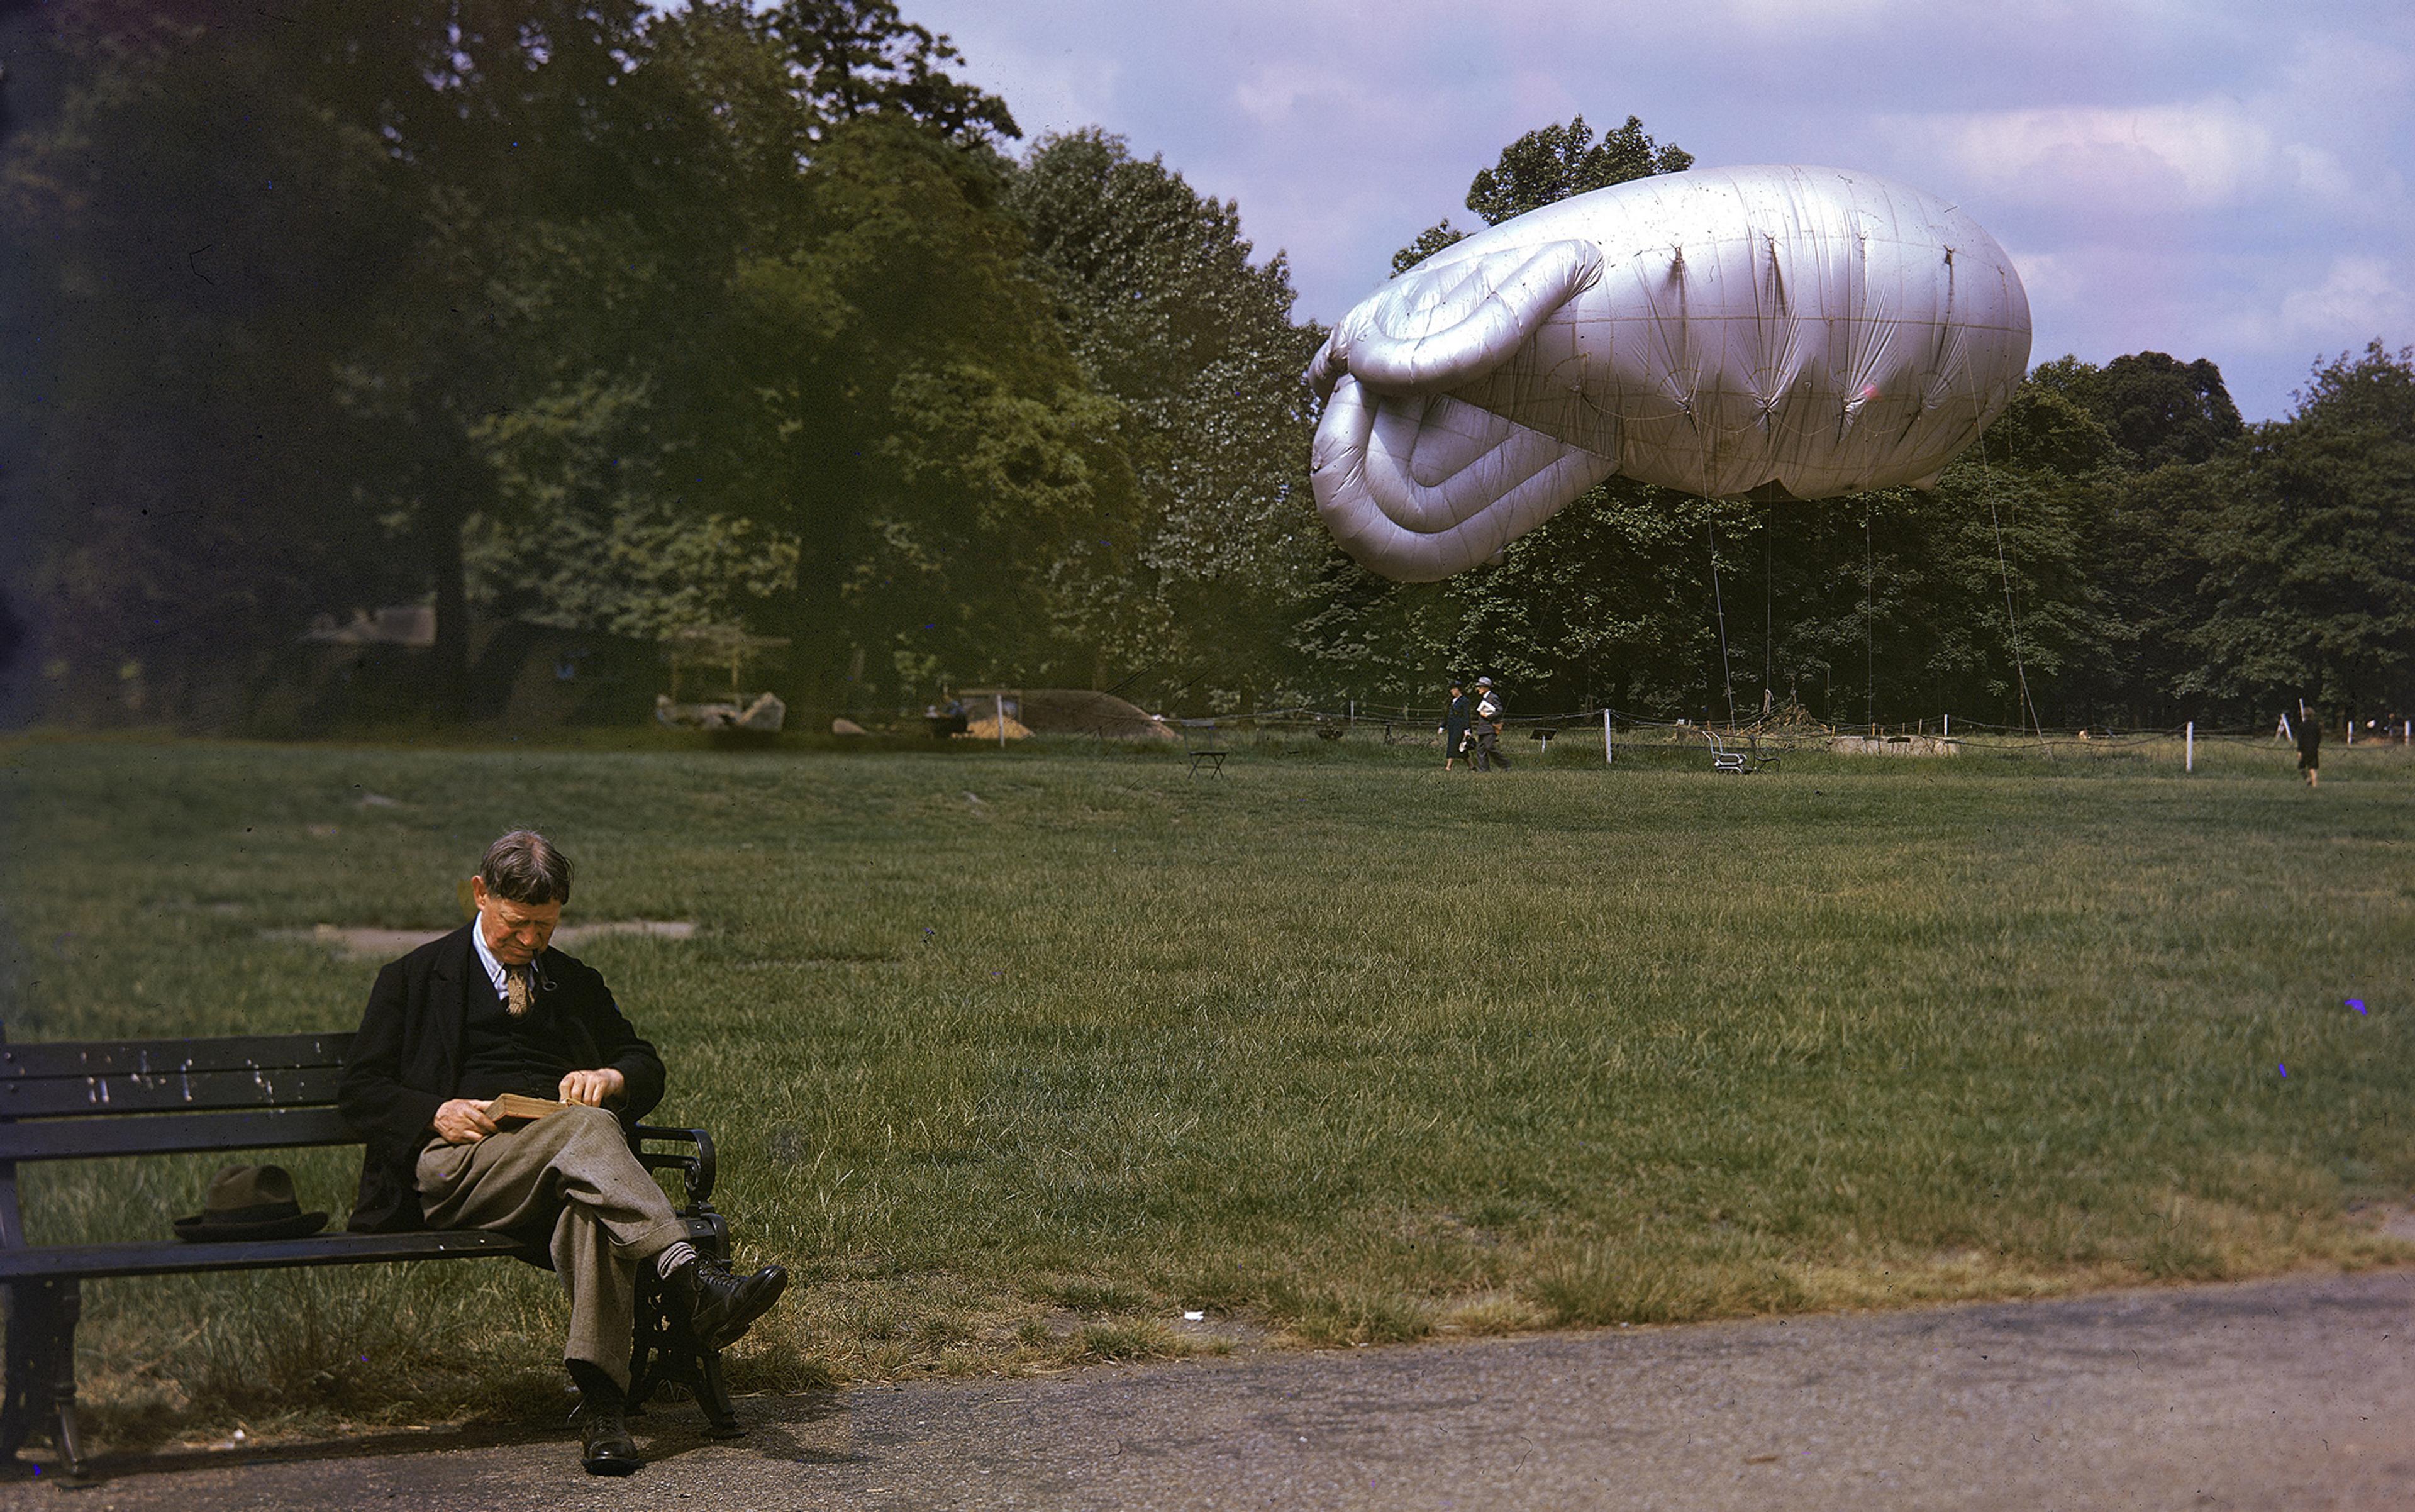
<point>1016,1056</point>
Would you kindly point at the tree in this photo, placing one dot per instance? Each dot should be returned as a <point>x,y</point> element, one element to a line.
<point>1161,306</point>
<point>1545,166</point>
<point>1554,162</point>
<point>2309,550</point>
<point>422,299</point>
<point>895,386</point>
<point>855,58</point>
<point>196,239</point>
<point>2158,408</point>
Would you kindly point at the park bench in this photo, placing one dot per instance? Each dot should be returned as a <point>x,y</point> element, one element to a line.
<point>94,1099</point>
<point>1742,761</point>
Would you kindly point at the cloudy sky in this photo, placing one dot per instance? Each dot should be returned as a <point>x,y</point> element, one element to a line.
<point>2217,178</point>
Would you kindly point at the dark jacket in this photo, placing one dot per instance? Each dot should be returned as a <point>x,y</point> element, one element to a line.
<point>1454,719</point>
<point>406,1062</point>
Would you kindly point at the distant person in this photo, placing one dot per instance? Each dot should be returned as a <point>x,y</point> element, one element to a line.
<point>2309,731</point>
<point>1489,711</point>
<point>1454,726</point>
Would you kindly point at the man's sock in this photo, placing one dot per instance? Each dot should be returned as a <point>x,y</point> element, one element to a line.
<point>680,1252</point>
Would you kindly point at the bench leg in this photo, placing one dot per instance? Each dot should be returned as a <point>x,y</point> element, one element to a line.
<point>41,1386</point>
<point>667,1353</point>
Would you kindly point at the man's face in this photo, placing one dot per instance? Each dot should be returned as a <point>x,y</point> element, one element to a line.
<point>515,933</point>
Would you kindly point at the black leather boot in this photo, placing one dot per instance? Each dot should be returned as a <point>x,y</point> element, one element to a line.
<point>722,1306</point>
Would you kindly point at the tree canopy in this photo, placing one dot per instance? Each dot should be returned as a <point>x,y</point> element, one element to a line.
<point>1546,166</point>
<point>743,319</point>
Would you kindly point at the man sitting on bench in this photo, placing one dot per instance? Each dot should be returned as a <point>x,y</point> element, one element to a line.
<point>488,1009</point>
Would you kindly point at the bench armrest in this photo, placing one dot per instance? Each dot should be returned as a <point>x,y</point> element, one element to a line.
<point>695,1169</point>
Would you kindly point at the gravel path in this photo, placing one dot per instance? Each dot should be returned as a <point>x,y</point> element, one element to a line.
<point>2294,1394</point>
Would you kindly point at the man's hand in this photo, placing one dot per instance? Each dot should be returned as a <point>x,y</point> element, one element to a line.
<point>463,1121</point>
<point>593,1087</point>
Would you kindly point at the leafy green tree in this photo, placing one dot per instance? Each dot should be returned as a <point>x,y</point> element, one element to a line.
<point>426,300</point>
<point>2157,408</point>
<point>2308,550</point>
<point>896,377</point>
<point>1433,239</point>
<point>1554,162</point>
<point>1160,302</point>
<point>827,400</point>
<point>195,240</point>
<point>1545,166</point>
<point>856,58</point>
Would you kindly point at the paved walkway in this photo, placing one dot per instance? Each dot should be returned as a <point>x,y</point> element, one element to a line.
<point>2293,1395</point>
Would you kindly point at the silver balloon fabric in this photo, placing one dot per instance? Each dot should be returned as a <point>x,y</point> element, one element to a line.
<point>1721,331</point>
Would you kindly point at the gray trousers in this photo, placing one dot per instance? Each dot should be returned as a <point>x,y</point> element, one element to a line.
<point>574,1170</point>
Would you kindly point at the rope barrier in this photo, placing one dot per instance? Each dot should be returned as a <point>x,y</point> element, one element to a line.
<point>1966,730</point>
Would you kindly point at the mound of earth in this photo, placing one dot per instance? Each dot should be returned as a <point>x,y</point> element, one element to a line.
<point>1063,711</point>
<point>985,728</point>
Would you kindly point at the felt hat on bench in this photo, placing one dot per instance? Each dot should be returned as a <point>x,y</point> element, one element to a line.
<point>251,1201</point>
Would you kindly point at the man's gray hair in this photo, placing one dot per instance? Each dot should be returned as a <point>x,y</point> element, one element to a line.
<point>524,867</point>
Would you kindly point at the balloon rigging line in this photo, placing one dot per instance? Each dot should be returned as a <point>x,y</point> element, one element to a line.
<point>1726,678</point>
<point>2020,671</point>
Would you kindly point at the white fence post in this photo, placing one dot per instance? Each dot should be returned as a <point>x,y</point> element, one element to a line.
<point>1949,726</point>
<point>1606,756</point>
<point>2188,762</point>
<point>1001,722</point>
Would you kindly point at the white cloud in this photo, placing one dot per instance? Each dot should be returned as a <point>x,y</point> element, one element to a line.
<point>2047,278</point>
<point>1795,15</point>
<point>2196,156</point>
<point>1278,93</point>
<point>2340,67</point>
<point>2319,172</point>
<point>2364,297</point>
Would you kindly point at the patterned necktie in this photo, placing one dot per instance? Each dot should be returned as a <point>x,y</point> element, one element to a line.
<point>517,992</point>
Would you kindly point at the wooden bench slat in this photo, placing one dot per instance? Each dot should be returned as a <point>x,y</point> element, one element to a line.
<point>173,1134</point>
<point>89,1058</point>
<point>174,1256</point>
<point>292,1086</point>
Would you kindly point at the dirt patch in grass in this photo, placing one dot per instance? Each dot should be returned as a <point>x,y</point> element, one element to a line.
<point>370,943</point>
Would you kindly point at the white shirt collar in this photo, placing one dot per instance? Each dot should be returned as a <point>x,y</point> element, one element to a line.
<point>485,956</point>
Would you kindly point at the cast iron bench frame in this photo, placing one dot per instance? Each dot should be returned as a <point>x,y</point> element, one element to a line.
<point>93,1099</point>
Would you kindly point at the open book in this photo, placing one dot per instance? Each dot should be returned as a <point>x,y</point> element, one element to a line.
<point>513,1105</point>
